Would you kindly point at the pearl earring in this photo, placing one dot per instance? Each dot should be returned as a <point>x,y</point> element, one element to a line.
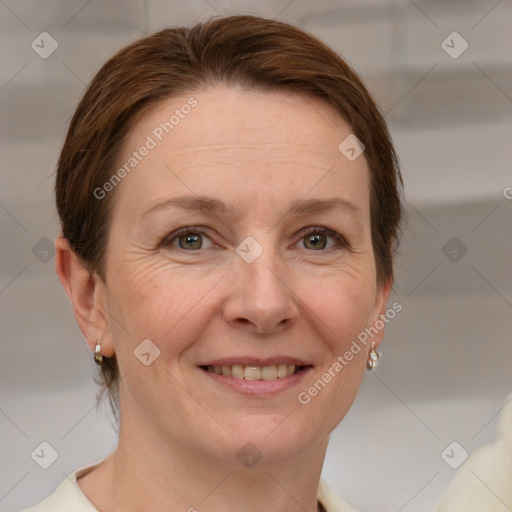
<point>97,353</point>
<point>373,358</point>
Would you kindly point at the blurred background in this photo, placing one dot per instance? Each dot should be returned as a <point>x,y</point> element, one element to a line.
<point>442,73</point>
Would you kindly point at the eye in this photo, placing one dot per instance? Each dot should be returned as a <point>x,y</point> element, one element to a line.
<point>317,239</point>
<point>192,238</point>
<point>188,238</point>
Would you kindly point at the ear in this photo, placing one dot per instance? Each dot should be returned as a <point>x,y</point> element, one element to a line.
<point>87,293</point>
<point>379,319</point>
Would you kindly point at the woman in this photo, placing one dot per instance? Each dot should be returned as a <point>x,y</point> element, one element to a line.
<point>230,199</point>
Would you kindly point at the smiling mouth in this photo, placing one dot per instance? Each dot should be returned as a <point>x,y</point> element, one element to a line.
<point>273,372</point>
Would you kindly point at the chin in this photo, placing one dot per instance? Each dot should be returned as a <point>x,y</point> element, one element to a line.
<point>268,439</point>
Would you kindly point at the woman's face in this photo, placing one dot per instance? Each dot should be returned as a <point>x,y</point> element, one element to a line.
<point>274,265</point>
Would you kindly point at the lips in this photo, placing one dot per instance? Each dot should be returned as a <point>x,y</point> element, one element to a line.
<point>256,369</point>
<point>255,361</point>
<point>256,381</point>
<point>252,372</point>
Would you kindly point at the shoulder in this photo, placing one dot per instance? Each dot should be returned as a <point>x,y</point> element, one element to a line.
<point>331,501</point>
<point>483,481</point>
<point>68,496</point>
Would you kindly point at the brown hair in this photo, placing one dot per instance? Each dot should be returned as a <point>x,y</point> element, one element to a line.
<point>245,51</point>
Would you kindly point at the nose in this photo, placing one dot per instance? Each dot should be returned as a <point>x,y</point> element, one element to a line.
<point>261,297</point>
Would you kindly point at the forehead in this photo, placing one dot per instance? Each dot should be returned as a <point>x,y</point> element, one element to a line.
<point>231,115</point>
<point>232,140</point>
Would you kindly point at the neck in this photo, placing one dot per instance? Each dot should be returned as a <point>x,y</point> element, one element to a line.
<point>149,473</point>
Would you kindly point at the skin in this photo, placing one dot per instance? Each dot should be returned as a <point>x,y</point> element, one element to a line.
<point>180,431</point>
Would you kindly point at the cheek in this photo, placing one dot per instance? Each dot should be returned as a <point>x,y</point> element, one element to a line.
<point>160,303</point>
<point>342,304</point>
<point>340,311</point>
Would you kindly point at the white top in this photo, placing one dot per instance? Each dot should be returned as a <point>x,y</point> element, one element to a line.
<point>484,481</point>
<point>68,497</point>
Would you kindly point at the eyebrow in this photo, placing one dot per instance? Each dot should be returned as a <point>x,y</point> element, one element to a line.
<point>298,207</point>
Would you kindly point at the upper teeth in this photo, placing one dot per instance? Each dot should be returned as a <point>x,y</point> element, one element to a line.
<point>278,371</point>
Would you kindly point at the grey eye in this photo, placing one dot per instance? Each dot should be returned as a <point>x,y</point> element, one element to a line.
<point>315,241</point>
<point>190,241</point>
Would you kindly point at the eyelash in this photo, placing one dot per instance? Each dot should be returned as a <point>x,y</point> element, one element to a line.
<point>198,230</point>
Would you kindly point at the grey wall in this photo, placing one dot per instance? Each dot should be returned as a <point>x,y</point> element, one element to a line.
<point>445,372</point>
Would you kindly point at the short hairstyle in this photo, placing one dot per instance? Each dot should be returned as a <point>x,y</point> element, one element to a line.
<point>243,51</point>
